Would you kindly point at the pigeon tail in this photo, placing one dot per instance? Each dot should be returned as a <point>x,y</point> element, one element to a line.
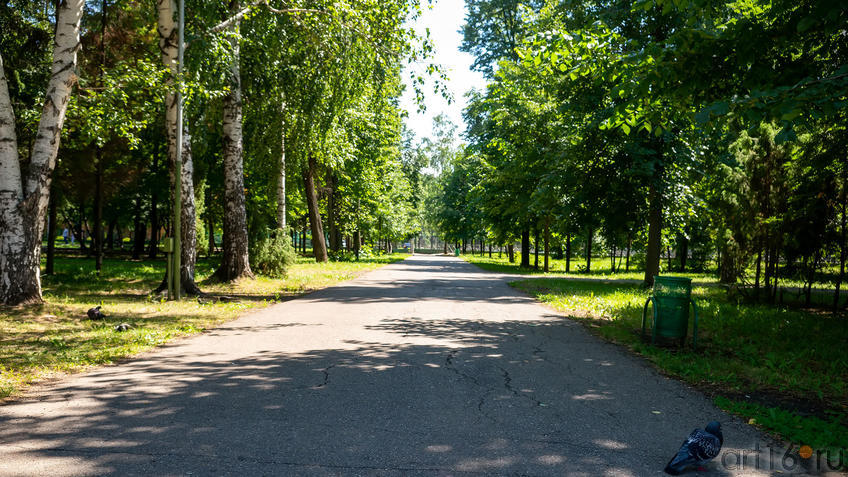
<point>680,461</point>
<point>671,470</point>
<point>698,448</point>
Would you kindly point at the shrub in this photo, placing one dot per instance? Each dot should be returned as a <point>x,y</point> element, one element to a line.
<point>272,256</point>
<point>350,256</point>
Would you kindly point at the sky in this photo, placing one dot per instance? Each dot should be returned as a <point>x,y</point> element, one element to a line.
<point>444,19</point>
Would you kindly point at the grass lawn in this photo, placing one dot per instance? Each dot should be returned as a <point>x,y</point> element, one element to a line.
<point>600,268</point>
<point>786,369</point>
<point>40,340</point>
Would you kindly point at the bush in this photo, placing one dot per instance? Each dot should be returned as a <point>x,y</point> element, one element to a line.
<point>272,256</point>
<point>350,256</point>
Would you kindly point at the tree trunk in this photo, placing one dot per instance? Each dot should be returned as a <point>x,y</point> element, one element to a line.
<point>98,187</point>
<point>547,245</point>
<point>589,250</point>
<point>153,246</point>
<point>23,203</point>
<point>51,233</point>
<point>167,29</point>
<point>652,259</point>
<point>80,227</point>
<point>668,257</point>
<point>303,237</point>
<point>319,248</point>
<point>525,247</point>
<point>612,259</point>
<point>536,249</point>
<point>490,249</point>
<point>356,243</point>
<point>188,229</point>
<point>188,226</point>
<point>332,214</point>
<point>567,253</point>
<point>138,231</point>
<point>97,235</point>
<point>629,245</point>
<point>684,252</point>
<point>281,178</point>
<point>235,263</point>
<point>210,225</point>
<point>510,251</point>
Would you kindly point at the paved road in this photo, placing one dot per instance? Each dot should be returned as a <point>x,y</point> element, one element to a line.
<point>425,367</point>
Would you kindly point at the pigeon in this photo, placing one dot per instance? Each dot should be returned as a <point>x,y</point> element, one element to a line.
<point>123,327</point>
<point>95,313</point>
<point>701,446</point>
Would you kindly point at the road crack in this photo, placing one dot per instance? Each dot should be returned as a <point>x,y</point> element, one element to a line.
<point>326,372</point>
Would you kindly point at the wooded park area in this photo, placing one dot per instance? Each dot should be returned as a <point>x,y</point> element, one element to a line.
<point>612,142</point>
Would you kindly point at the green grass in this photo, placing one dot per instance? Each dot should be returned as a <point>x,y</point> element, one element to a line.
<point>601,268</point>
<point>39,340</point>
<point>778,354</point>
<point>808,430</point>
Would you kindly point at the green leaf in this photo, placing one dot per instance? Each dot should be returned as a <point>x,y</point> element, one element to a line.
<point>806,23</point>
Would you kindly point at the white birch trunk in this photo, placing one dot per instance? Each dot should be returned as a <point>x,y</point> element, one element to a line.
<point>168,42</point>
<point>281,180</point>
<point>12,243</point>
<point>235,261</point>
<point>23,205</point>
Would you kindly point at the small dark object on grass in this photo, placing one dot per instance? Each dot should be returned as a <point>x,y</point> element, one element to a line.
<point>698,448</point>
<point>95,313</point>
<point>123,327</point>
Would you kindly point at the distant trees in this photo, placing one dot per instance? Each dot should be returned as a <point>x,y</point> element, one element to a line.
<point>290,111</point>
<point>672,128</point>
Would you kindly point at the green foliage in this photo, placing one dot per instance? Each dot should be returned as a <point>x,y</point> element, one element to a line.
<point>272,256</point>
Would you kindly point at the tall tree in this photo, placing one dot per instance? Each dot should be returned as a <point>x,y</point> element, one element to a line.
<point>24,199</point>
<point>492,31</point>
<point>167,29</point>
<point>235,262</point>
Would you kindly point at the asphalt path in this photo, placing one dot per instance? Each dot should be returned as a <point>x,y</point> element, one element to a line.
<point>430,366</point>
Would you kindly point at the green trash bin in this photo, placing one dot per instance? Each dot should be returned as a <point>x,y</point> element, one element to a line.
<point>671,298</point>
<point>456,252</point>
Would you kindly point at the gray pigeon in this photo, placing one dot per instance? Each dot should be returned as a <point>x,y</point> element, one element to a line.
<point>698,448</point>
<point>123,327</point>
<point>95,313</point>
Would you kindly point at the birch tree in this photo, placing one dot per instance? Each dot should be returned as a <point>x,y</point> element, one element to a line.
<point>24,196</point>
<point>235,261</point>
<point>167,30</point>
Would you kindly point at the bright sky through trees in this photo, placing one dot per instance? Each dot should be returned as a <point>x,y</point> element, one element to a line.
<point>444,19</point>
